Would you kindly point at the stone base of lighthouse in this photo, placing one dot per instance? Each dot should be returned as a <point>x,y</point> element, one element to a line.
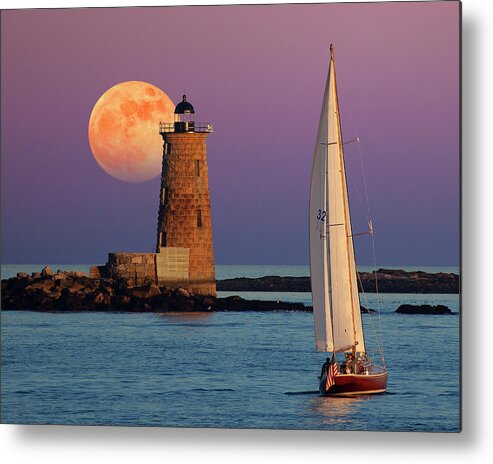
<point>170,268</point>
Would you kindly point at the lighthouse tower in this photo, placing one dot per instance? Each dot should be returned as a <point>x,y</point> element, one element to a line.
<point>184,252</point>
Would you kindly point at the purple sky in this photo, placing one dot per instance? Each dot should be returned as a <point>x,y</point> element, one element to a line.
<point>257,73</point>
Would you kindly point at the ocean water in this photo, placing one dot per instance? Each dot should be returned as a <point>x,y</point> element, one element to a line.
<point>242,370</point>
<point>225,271</point>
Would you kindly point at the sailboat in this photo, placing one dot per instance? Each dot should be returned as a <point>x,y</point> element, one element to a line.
<point>335,297</point>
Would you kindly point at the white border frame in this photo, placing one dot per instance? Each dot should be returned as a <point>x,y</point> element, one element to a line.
<point>75,445</point>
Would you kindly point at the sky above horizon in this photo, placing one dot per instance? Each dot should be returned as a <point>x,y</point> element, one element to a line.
<point>257,73</point>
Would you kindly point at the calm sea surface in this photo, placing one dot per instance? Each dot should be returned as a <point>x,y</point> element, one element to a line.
<point>223,369</point>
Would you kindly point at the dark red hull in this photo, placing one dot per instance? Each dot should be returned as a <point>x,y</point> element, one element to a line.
<point>356,384</point>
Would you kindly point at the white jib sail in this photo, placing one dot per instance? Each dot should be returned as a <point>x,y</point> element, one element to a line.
<point>336,305</point>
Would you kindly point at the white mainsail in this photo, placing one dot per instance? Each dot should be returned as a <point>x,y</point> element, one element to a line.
<point>336,306</point>
<point>319,266</point>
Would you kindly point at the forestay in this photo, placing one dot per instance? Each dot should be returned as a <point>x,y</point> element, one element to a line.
<point>336,306</point>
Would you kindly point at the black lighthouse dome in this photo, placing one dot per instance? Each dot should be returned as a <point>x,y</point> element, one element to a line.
<point>184,120</point>
<point>184,116</point>
<point>184,107</point>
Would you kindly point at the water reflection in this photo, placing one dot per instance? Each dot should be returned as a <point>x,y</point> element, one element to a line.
<point>178,316</point>
<point>334,410</point>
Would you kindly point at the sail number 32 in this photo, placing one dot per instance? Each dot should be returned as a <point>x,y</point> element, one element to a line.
<point>321,215</point>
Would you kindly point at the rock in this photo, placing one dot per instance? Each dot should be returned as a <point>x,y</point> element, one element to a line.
<point>181,292</point>
<point>94,272</point>
<point>166,291</point>
<point>236,303</point>
<point>99,298</point>
<point>65,282</point>
<point>47,272</point>
<point>109,291</point>
<point>29,291</point>
<point>75,274</point>
<point>122,288</point>
<point>208,302</point>
<point>148,281</point>
<point>145,292</point>
<point>182,305</point>
<point>120,301</point>
<point>189,305</point>
<point>45,285</point>
<point>71,302</point>
<point>71,290</point>
<point>36,275</point>
<point>22,275</point>
<point>153,291</point>
<point>160,302</point>
<point>72,286</point>
<point>423,309</point>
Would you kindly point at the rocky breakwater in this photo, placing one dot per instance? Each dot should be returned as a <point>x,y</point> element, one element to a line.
<point>398,281</point>
<point>62,291</point>
<point>389,281</point>
<point>423,309</point>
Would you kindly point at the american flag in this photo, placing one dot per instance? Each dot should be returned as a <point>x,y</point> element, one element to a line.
<point>331,374</point>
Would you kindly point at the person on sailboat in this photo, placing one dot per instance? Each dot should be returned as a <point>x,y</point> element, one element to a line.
<point>347,364</point>
<point>325,367</point>
<point>352,366</point>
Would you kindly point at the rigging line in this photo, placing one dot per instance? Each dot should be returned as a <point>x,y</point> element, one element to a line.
<point>368,212</point>
<point>363,204</point>
<point>373,251</point>
<point>378,295</point>
<point>380,348</point>
<point>363,171</point>
<point>349,114</point>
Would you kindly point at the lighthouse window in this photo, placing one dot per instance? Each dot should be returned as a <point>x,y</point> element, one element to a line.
<point>197,168</point>
<point>199,218</point>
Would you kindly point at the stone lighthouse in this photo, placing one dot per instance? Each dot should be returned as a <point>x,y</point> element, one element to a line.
<point>184,255</point>
<point>184,252</point>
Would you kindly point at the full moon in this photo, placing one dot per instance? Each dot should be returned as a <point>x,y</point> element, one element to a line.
<point>124,130</point>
